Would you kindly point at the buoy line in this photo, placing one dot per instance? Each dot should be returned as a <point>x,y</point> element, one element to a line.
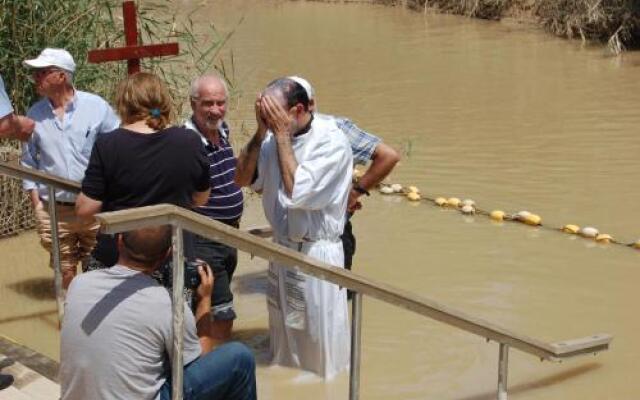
<point>468,207</point>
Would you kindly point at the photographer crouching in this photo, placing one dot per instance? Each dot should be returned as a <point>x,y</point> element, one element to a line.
<point>117,333</point>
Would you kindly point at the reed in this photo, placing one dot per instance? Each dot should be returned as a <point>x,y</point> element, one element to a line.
<point>616,22</point>
<point>28,26</point>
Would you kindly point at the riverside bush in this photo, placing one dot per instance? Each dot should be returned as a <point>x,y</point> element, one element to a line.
<point>616,22</point>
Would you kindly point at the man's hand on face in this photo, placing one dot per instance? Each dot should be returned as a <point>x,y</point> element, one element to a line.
<point>262,123</point>
<point>277,118</point>
<point>206,282</point>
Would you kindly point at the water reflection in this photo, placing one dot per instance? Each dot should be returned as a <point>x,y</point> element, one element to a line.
<point>541,383</point>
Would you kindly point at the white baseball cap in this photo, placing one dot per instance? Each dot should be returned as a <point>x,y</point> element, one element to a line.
<point>52,58</point>
<point>306,85</point>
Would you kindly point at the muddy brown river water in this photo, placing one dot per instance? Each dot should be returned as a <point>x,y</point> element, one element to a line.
<point>503,114</point>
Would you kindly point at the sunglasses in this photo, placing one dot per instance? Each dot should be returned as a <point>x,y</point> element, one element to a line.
<point>42,72</point>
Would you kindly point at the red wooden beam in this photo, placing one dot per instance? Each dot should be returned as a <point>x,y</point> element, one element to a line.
<point>130,23</point>
<point>131,33</point>
<point>133,52</point>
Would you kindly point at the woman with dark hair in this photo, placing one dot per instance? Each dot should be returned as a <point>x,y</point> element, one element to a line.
<point>144,162</point>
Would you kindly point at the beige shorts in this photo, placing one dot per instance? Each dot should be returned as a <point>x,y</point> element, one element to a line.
<point>77,237</point>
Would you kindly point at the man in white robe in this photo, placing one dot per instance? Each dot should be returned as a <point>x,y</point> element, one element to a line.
<point>302,165</point>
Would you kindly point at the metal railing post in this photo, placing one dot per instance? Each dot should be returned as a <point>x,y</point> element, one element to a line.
<point>356,340</point>
<point>177,365</point>
<point>55,252</point>
<point>503,369</point>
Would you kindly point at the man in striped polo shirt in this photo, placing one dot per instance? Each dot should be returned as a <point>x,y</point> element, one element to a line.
<point>209,104</point>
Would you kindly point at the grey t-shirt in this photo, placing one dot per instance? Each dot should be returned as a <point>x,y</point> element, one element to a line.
<point>5,104</point>
<point>117,336</point>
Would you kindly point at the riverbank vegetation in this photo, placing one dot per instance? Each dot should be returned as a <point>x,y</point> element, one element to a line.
<point>614,22</point>
<point>27,27</point>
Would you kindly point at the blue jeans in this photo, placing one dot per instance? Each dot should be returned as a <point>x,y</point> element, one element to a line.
<point>226,373</point>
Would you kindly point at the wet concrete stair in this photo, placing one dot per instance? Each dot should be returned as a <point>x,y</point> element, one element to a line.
<point>28,385</point>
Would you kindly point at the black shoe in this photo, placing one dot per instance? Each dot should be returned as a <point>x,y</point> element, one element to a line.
<point>5,381</point>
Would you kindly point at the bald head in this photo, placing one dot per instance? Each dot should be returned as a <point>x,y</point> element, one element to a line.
<point>205,81</point>
<point>209,95</point>
<point>146,245</point>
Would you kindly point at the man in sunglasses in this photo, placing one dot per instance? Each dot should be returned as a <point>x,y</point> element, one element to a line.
<point>67,122</point>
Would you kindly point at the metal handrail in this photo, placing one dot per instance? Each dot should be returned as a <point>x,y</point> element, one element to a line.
<point>17,171</point>
<point>53,183</point>
<point>181,219</point>
<point>113,222</point>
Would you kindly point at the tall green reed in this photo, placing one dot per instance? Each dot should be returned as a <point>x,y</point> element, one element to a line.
<point>28,26</point>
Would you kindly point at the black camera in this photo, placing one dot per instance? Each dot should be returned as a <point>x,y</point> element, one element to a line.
<point>191,274</point>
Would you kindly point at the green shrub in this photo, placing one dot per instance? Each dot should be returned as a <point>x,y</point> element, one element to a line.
<point>615,22</point>
<point>28,26</point>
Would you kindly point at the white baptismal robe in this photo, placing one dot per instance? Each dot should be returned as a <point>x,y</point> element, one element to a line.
<point>308,317</point>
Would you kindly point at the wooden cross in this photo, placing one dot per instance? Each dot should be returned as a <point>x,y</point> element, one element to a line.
<point>132,52</point>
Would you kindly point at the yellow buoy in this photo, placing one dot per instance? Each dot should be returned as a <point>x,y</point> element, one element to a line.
<point>604,238</point>
<point>589,232</point>
<point>397,188</point>
<point>522,215</point>
<point>413,196</point>
<point>468,202</point>
<point>497,215</point>
<point>467,209</point>
<point>413,189</point>
<point>571,229</point>
<point>441,201</point>
<point>636,245</point>
<point>533,219</point>
<point>386,190</point>
<point>453,202</point>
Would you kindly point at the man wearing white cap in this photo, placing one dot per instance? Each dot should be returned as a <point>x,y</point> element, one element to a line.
<point>12,126</point>
<point>67,122</point>
<point>365,147</point>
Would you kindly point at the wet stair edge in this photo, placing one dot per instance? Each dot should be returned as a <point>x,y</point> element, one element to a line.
<point>35,375</point>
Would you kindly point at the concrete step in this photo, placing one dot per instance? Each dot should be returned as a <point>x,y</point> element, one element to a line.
<point>12,393</point>
<point>29,384</point>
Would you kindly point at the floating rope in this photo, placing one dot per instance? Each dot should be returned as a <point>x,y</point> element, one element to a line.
<point>468,207</point>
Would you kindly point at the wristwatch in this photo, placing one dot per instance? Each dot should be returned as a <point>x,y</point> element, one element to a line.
<point>360,189</point>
